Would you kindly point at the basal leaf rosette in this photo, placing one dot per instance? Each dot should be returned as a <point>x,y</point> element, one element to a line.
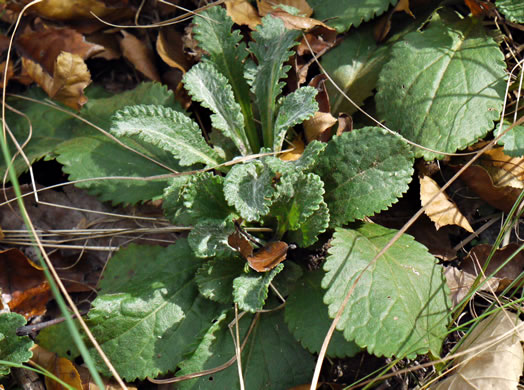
<point>364,172</point>
<point>400,305</point>
<point>444,86</point>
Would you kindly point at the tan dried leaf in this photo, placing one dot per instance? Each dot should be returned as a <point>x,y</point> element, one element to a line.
<point>460,282</point>
<point>494,358</point>
<point>78,9</point>
<point>60,367</point>
<point>298,149</point>
<point>136,52</point>
<point>504,170</point>
<point>318,125</point>
<point>267,6</point>
<point>243,13</point>
<point>442,211</point>
<point>70,77</point>
<point>170,48</point>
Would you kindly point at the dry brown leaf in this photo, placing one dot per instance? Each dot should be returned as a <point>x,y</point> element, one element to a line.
<point>268,257</point>
<point>243,13</point>
<point>478,256</point>
<point>442,211</point>
<point>170,48</point>
<point>480,182</point>
<point>383,25</point>
<point>293,155</point>
<point>240,243</point>
<point>503,169</point>
<point>80,9</point>
<point>109,43</point>
<point>318,125</point>
<point>136,52</point>
<point>89,384</point>
<point>60,367</point>
<point>269,6</point>
<point>43,47</point>
<point>345,124</point>
<point>460,282</point>
<point>70,77</point>
<point>10,73</point>
<point>24,288</point>
<point>498,365</point>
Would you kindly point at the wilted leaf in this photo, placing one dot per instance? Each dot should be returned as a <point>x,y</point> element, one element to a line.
<point>13,348</point>
<point>460,282</point>
<point>320,123</point>
<point>403,295</point>
<point>503,169</point>
<point>297,146</point>
<point>170,48</point>
<point>60,367</point>
<point>480,182</point>
<point>136,52</point>
<point>70,77</point>
<point>498,365</point>
<point>444,86</point>
<point>23,287</point>
<point>10,73</point>
<point>43,47</point>
<point>79,9</point>
<point>268,6</point>
<point>442,211</point>
<point>243,13</point>
<point>268,257</point>
<point>478,256</point>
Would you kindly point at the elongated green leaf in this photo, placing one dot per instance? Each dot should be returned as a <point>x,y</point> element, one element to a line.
<point>513,140</point>
<point>364,172</point>
<point>167,129</point>
<point>513,10</point>
<point>305,306</point>
<point>211,89</point>
<point>98,156</point>
<point>354,65</point>
<point>50,127</point>
<point>271,359</point>
<point>209,237</point>
<point>248,188</point>
<point>343,14</point>
<point>272,47</point>
<point>215,278</point>
<point>443,87</point>
<point>294,109</point>
<point>13,348</point>
<point>250,290</point>
<point>400,305</point>
<point>213,32</point>
<point>148,308</point>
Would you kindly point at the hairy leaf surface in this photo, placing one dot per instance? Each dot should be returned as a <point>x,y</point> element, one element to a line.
<point>271,359</point>
<point>400,305</point>
<point>444,86</point>
<point>13,348</point>
<point>294,109</point>
<point>209,237</point>
<point>513,10</point>
<point>226,51</point>
<point>364,172</point>
<point>250,290</point>
<point>167,129</point>
<point>272,47</point>
<point>305,306</point>
<point>148,308</point>
<point>343,14</point>
<point>308,231</point>
<point>513,140</point>
<point>209,87</point>
<point>248,188</point>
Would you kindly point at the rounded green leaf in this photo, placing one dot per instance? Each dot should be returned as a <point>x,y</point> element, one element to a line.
<point>513,10</point>
<point>308,320</point>
<point>444,86</point>
<point>400,306</point>
<point>215,278</point>
<point>250,289</point>
<point>364,171</point>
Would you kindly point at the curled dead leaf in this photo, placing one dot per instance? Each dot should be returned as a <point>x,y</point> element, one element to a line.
<point>136,52</point>
<point>497,363</point>
<point>460,282</point>
<point>70,77</point>
<point>240,243</point>
<point>293,155</point>
<point>60,367</point>
<point>80,9</point>
<point>318,125</point>
<point>10,73</point>
<point>442,211</point>
<point>268,6</point>
<point>268,257</point>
